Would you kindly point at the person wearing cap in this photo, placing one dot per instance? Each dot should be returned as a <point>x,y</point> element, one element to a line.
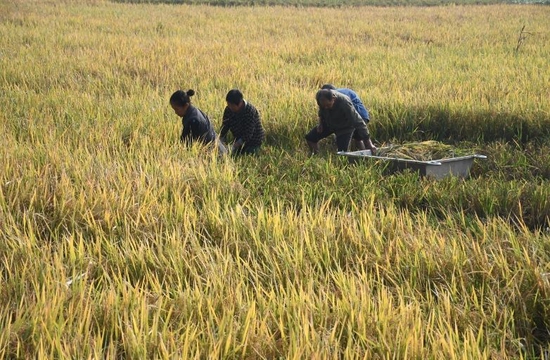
<point>338,115</point>
<point>243,120</point>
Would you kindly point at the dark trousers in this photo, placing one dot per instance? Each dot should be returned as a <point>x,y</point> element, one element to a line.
<point>342,140</point>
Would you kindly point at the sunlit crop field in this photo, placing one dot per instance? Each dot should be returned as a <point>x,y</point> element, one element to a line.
<point>118,242</point>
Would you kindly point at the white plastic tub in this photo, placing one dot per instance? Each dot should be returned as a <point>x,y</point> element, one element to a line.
<point>456,166</point>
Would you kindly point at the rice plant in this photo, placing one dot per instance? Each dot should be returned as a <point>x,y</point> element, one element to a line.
<point>116,241</point>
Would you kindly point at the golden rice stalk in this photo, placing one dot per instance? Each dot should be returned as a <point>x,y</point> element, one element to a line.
<point>421,151</point>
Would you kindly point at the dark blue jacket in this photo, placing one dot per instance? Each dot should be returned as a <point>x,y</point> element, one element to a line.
<point>357,103</point>
<point>196,127</point>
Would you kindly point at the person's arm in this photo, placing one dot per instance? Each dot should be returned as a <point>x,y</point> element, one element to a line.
<point>185,136</point>
<point>321,121</point>
<point>225,125</point>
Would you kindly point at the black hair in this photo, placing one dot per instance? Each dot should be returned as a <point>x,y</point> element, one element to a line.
<point>326,94</point>
<point>328,86</point>
<point>234,96</point>
<point>181,98</point>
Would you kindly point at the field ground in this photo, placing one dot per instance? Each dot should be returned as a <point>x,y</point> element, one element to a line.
<point>334,3</point>
<point>117,242</point>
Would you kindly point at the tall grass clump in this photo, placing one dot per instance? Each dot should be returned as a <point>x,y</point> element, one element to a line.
<point>329,3</point>
<point>116,241</point>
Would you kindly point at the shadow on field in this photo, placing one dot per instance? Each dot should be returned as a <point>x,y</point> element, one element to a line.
<point>436,123</point>
<point>429,123</point>
<point>532,312</point>
<point>512,183</point>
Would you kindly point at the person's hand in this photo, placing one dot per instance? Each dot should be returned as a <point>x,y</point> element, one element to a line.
<point>237,145</point>
<point>370,146</point>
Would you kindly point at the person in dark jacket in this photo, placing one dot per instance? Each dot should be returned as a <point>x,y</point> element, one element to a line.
<point>338,116</point>
<point>196,124</point>
<point>355,100</point>
<point>361,109</point>
<point>243,121</point>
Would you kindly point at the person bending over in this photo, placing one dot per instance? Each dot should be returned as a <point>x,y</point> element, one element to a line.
<point>196,125</point>
<point>243,121</point>
<point>337,115</point>
<point>355,100</point>
<point>360,108</point>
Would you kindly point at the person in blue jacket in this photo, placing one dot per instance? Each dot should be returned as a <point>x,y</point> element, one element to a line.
<point>323,130</point>
<point>356,101</point>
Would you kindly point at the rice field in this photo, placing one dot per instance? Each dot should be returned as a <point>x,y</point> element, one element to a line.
<point>118,242</point>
